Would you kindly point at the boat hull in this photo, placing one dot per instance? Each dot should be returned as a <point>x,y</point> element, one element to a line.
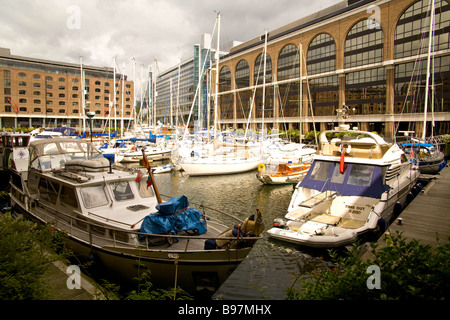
<point>218,168</point>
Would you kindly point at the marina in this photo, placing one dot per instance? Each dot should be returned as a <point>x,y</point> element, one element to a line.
<point>272,266</point>
<point>232,173</point>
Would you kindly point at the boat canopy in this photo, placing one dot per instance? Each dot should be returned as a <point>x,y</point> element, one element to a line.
<point>363,180</point>
<point>173,216</point>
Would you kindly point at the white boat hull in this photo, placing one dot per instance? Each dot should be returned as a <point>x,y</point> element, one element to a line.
<point>205,168</point>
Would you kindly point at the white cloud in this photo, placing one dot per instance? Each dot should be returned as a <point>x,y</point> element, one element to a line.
<point>165,30</point>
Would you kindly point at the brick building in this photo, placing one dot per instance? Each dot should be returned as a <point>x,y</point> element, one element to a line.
<point>44,93</point>
<point>369,55</point>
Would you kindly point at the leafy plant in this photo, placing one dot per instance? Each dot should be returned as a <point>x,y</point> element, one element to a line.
<point>408,270</point>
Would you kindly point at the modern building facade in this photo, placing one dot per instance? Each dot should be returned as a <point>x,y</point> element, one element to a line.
<point>371,56</point>
<point>44,93</point>
<point>183,92</point>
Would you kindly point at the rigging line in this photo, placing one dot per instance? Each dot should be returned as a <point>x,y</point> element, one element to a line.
<point>253,98</point>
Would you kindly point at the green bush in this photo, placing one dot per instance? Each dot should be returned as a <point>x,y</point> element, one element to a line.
<point>408,270</point>
<point>22,260</point>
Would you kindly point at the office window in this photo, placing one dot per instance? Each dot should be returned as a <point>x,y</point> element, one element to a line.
<point>321,55</point>
<point>242,75</point>
<point>412,31</point>
<point>224,79</point>
<point>363,45</point>
<point>288,63</point>
<point>259,69</point>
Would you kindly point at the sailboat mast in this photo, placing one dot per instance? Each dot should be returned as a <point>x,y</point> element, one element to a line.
<point>217,74</point>
<point>264,87</point>
<point>430,39</point>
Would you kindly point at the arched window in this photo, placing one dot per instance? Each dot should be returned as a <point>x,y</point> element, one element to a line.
<point>321,56</point>
<point>412,31</point>
<point>288,63</point>
<point>242,75</point>
<point>258,73</point>
<point>224,79</point>
<point>411,40</point>
<point>363,45</point>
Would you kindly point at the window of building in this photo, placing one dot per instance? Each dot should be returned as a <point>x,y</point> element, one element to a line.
<point>62,88</point>
<point>48,78</point>
<point>74,80</point>
<point>36,93</point>
<point>242,75</point>
<point>62,111</point>
<point>74,111</point>
<point>75,88</point>
<point>7,90</point>
<point>259,69</point>
<point>61,95</point>
<point>49,86</point>
<point>22,92</point>
<point>288,63</point>
<point>366,91</point>
<point>61,79</point>
<point>324,95</point>
<point>22,75</point>
<point>412,31</point>
<point>36,76</point>
<point>363,45</point>
<point>22,100</point>
<point>37,110</point>
<point>7,73</point>
<point>49,110</point>
<point>7,82</point>
<point>410,81</point>
<point>23,109</point>
<point>36,101</point>
<point>97,83</point>
<point>22,84</point>
<point>36,85</point>
<point>62,103</point>
<point>321,55</point>
<point>224,79</point>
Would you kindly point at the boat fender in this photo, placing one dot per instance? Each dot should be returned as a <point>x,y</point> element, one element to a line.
<point>382,225</point>
<point>410,197</point>
<point>262,167</point>
<point>398,208</point>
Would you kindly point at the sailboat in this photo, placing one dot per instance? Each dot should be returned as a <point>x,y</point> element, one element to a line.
<point>427,155</point>
<point>220,160</point>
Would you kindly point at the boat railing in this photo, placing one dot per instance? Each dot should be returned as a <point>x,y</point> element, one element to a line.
<point>101,235</point>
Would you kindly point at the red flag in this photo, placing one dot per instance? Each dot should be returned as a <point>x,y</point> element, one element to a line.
<point>149,182</point>
<point>139,176</point>
<point>341,166</point>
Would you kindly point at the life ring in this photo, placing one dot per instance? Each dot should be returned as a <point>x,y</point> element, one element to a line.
<point>348,149</point>
<point>261,167</point>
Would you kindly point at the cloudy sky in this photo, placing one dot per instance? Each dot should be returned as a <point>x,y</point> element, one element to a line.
<point>165,30</point>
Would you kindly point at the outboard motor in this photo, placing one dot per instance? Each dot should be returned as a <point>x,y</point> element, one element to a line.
<point>279,223</point>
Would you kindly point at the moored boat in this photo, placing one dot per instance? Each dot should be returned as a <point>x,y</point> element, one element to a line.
<point>282,173</point>
<point>108,214</point>
<point>356,182</point>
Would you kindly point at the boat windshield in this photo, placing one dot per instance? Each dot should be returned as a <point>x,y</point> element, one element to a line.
<point>94,196</point>
<point>355,180</point>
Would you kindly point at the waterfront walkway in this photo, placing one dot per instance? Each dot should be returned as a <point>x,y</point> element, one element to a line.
<point>428,215</point>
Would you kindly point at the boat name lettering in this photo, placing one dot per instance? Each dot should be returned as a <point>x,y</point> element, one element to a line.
<point>354,209</point>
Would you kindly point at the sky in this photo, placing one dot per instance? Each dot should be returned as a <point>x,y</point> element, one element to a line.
<point>165,30</point>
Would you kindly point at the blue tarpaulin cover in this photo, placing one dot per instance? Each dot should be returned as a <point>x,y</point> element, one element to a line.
<point>172,217</point>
